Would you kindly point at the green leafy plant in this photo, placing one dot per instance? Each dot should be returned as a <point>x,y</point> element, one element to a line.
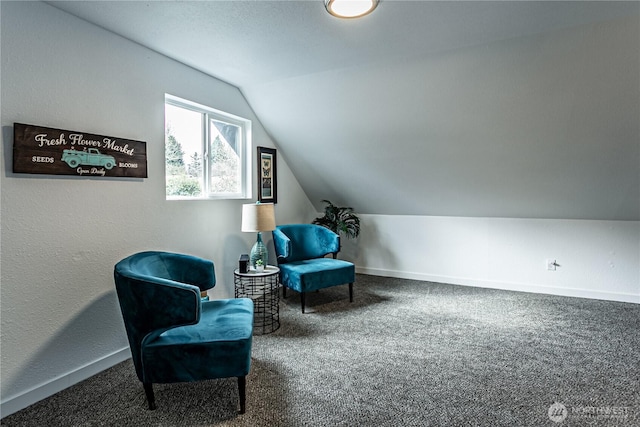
<point>259,262</point>
<point>182,185</point>
<point>340,220</point>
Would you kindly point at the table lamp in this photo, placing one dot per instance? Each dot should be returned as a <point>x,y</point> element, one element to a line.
<point>258,217</point>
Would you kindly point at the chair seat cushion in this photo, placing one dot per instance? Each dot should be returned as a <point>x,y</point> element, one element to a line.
<point>312,274</point>
<point>218,346</point>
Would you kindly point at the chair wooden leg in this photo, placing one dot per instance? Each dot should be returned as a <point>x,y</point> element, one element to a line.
<point>302,301</point>
<point>242,392</point>
<point>148,390</point>
<point>350,292</point>
<point>284,291</point>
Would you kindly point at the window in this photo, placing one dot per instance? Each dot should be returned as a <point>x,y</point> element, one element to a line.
<point>207,152</point>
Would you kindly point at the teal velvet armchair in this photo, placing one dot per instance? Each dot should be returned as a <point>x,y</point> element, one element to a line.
<point>301,251</point>
<point>174,335</point>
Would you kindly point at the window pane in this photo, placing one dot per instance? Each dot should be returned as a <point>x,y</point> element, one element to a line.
<point>183,151</point>
<point>206,152</point>
<point>225,171</point>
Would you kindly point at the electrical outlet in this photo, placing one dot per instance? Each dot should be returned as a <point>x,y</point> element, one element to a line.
<point>551,264</point>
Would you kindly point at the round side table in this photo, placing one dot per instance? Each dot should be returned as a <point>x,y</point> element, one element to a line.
<point>262,289</point>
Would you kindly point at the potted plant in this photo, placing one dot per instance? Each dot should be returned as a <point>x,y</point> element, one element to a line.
<point>340,220</point>
<point>259,266</point>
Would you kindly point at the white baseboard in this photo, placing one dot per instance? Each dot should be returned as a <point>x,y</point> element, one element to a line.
<point>15,403</point>
<point>522,287</point>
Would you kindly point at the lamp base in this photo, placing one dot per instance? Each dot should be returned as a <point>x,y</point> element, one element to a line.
<point>258,251</point>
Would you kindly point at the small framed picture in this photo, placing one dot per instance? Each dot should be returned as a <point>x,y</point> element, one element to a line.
<point>267,175</point>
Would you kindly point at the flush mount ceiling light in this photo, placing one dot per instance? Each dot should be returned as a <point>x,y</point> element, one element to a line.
<point>350,8</point>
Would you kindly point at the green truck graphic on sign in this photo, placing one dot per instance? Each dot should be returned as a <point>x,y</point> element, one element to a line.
<point>91,157</point>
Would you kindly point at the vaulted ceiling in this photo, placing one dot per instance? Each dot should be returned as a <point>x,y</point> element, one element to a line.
<point>498,109</point>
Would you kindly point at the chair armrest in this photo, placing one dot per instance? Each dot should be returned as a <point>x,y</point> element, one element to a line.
<point>154,304</point>
<point>174,304</point>
<point>328,240</point>
<point>281,243</point>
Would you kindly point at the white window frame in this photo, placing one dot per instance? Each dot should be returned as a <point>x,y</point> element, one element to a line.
<point>245,149</point>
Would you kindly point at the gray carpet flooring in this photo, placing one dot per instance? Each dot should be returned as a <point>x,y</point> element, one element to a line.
<point>404,353</point>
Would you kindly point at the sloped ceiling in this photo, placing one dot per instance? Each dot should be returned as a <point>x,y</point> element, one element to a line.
<point>498,109</point>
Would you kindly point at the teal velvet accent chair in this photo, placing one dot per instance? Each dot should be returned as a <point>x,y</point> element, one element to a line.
<point>301,250</point>
<point>175,335</point>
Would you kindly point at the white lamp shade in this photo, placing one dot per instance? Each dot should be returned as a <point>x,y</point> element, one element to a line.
<point>258,217</point>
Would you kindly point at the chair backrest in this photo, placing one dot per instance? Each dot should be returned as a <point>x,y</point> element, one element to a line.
<point>158,291</point>
<point>297,242</point>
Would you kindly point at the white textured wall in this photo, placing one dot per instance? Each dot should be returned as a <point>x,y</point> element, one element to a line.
<point>543,126</point>
<point>598,259</point>
<point>61,236</point>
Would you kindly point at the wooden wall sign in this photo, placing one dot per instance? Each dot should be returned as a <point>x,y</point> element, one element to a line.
<point>41,150</point>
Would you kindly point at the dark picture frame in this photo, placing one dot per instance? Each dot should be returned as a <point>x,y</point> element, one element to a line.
<point>267,175</point>
<point>51,151</point>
